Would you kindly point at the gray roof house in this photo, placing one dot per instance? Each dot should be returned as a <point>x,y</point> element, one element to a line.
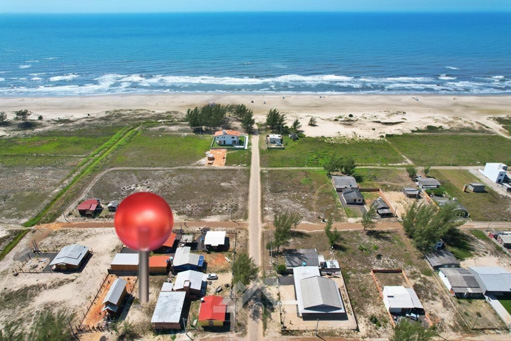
<point>184,259</point>
<point>301,257</point>
<point>476,187</point>
<point>442,201</point>
<point>344,182</point>
<point>169,310</point>
<point>70,257</point>
<point>190,281</point>
<point>493,279</point>
<point>411,192</point>
<point>115,295</point>
<point>460,282</point>
<point>317,297</point>
<point>442,259</point>
<point>382,208</point>
<point>428,183</point>
<point>353,196</point>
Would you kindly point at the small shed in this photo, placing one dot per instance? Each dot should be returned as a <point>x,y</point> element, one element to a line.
<point>504,239</point>
<point>124,263</point>
<point>90,207</point>
<point>476,187</point>
<point>213,311</point>
<point>275,139</point>
<point>115,297</point>
<point>442,259</point>
<point>353,197</point>
<point>428,183</point>
<point>112,206</point>
<point>382,208</point>
<point>168,313</point>
<point>215,240</point>
<point>71,257</point>
<point>411,192</point>
<point>344,182</point>
<point>401,300</point>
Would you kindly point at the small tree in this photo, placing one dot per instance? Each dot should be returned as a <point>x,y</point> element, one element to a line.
<point>23,115</point>
<point>410,331</point>
<point>244,269</point>
<point>426,170</point>
<point>348,166</point>
<point>313,122</point>
<point>368,221</point>
<point>333,235</point>
<point>240,111</point>
<point>247,122</point>
<point>283,223</point>
<point>296,125</point>
<point>275,120</point>
<point>3,118</point>
<point>412,172</point>
<point>333,165</point>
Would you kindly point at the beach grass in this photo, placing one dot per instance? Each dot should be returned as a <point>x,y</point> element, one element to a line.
<point>453,149</point>
<point>314,152</point>
<point>489,206</point>
<point>155,149</point>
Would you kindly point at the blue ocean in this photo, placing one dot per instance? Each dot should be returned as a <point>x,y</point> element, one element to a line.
<point>59,55</point>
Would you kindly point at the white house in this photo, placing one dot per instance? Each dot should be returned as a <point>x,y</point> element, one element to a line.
<point>496,172</point>
<point>227,137</point>
<point>275,139</point>
<point>399,300</point>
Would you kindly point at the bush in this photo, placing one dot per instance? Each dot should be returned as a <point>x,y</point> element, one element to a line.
<point>281,268</point>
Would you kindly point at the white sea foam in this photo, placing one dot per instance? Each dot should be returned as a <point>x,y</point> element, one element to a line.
<point>2,79</point>
<point>66,78</point>
<point>452,68</point>
<point>25,66</point>
<point>444,77</point>
<point>36,78</point>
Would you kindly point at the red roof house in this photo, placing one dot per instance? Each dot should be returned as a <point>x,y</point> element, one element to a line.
<point>170,240</point>
<point>89,207</point>
<point>158,264</point>
<point>212,311</point>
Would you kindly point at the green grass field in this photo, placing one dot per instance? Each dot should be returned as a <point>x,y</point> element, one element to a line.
<point>60,143</point>
<point>238,158</point>
<point>154,149</point>
<point>393,179</point>
<point>489,206</point>
<point>314,152</point>
<point>450,149</point>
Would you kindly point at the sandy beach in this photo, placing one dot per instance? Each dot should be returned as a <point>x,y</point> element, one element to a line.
<point>366,116</point>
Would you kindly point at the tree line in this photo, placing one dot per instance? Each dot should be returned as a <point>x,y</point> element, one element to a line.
<point>213,116</point>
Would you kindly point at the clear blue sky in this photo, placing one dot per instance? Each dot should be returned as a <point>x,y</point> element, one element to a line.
<point>110,6</point>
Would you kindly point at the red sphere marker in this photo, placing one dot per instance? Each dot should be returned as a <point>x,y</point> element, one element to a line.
<point>143,222</point>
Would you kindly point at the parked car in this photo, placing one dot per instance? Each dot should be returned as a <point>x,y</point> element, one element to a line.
<point>212,277</point>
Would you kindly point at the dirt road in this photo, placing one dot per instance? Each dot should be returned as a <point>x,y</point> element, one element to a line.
<point>255,328</point>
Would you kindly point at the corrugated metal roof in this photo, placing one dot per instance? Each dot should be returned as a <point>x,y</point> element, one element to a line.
<point>344,181</point>
<point>125,259</point>
<point>307,296</point>
<point>429,182</point>
<point>352,194</point>
<point>462,280</point>
<point>189,278</point>
<point>183,256</point>
<point>70,254</point>
<point>167,287</point>
<point>400,297</point>
<point>169,307</point>
<point>493,279</point>
<point>215,238</point>
<point>116,290</point>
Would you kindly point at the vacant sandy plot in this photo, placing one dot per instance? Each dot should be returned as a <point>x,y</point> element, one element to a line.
<point>214,193</point>
<point>25,190</point>
<point>400,201</point>
<point>24,295</point>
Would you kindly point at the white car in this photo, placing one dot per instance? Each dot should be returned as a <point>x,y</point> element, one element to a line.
<point>212,277</point>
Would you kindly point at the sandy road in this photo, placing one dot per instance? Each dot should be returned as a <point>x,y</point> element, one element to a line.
<point>255,327</point>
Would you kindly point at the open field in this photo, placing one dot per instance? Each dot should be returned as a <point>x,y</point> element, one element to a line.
<point>388,179</point>
<point>489,206</point>
<point>238,158</point>
<point>157,149</point>
<point>308,192</point>
<point>212,193</point>
<point>484,252</point>
<point>314,152</point>
<point>452,149</point>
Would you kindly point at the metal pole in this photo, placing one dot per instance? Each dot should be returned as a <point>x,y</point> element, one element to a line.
<point>143,276</point>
